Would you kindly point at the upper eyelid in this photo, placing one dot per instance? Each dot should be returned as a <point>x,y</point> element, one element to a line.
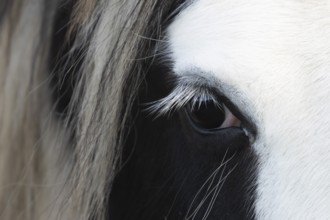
<point>179,98</point>
<point>188,88</point>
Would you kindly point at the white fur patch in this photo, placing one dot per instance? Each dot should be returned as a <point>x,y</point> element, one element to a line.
<point>277,54</point>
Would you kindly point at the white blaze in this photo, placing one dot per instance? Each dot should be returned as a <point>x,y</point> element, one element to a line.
<point>276,53</point>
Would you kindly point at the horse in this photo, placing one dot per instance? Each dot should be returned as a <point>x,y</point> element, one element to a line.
<point>176,109</point>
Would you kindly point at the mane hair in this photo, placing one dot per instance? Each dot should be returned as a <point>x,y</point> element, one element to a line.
<point>63,167</point>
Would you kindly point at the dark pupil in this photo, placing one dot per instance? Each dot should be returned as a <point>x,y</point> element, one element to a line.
<point>208,115</point>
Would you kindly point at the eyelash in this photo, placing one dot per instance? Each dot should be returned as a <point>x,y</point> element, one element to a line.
<point>179,99</point>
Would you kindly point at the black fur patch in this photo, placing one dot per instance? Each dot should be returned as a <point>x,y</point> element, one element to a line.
<point>170,165</point>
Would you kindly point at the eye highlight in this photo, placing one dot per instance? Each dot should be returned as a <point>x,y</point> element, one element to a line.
<point>211,115</point>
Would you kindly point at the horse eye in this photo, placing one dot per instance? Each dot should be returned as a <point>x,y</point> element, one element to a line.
<point>209,115</point>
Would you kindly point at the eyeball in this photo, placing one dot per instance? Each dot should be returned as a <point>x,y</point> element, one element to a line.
<point>209,115</point>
